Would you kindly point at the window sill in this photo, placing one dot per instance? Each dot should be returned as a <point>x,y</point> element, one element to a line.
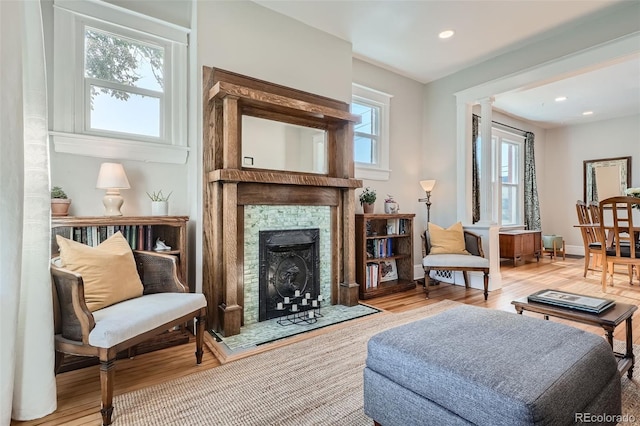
<point>372,174</point>
<point>94,146</point>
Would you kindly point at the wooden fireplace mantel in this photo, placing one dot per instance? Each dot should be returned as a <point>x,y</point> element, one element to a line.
<point>280,178</point>
<point>228,187</point>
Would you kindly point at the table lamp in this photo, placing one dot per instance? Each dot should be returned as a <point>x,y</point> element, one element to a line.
<point>112,178</point>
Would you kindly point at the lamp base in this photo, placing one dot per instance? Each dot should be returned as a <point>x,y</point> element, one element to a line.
<point>112,203</point>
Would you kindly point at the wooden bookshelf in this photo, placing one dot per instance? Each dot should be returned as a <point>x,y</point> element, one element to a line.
<point>381,241</point>
<point>170,229</point>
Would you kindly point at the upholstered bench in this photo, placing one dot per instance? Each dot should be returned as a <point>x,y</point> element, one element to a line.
<point>471,365</point>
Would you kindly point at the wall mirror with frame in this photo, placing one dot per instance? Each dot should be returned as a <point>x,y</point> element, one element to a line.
<point>275,145</point>
<point>606,177</point>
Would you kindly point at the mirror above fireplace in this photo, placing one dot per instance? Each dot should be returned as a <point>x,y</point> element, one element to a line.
<point>275,145</point>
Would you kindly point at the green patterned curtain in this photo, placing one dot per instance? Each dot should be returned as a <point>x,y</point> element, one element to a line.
<point>531,203</point>
<point>475,172</point>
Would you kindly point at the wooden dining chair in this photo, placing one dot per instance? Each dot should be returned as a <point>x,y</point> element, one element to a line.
<point>622,246</point>
<point>590,239</point>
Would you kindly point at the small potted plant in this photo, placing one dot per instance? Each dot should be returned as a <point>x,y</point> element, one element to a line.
<point>390,205</point>
<point>159,203</point>
<point>367,198</point>
<point>60,203</point>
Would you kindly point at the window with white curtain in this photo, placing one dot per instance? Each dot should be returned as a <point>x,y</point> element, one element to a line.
<point>120,83</point>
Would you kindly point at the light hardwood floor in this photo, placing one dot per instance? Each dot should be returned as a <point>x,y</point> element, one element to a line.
<point>79,391</point>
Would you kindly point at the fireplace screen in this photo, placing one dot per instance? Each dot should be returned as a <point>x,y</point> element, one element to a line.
<point>289,266</point>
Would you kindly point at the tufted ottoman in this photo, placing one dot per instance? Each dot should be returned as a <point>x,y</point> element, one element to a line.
<point>471,365</point>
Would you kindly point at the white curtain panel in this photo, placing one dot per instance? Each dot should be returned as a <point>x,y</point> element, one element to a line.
<point>28,387</point>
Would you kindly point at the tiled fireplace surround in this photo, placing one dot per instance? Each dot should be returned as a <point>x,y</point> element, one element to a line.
<point>272,218</point>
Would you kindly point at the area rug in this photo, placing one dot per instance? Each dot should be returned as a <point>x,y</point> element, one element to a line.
<point>317,381</point>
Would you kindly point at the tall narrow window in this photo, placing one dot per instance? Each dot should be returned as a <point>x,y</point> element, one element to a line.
<point>366,133</point>
<point>371,135</point>
<point>509,163</point>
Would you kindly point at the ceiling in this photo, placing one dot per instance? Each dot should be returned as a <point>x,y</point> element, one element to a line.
<point>402,36</point>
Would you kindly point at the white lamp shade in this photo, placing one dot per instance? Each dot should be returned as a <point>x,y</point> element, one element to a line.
<point>428,185</point>
<point>112,175</point>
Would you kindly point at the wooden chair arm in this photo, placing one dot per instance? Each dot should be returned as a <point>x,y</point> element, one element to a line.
<point>473,243</point>
<point>76,320</point>
<point>158,272</point>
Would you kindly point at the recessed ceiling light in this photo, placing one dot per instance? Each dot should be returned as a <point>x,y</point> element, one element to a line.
<point>561,98</point>
<point>446,34</point>
<point>587,113</point>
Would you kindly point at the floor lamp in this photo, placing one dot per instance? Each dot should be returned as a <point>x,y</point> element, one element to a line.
<point>427,185</point>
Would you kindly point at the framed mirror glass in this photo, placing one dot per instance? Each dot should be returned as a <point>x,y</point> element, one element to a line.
<point>606,177</point>
<point>274,145</point>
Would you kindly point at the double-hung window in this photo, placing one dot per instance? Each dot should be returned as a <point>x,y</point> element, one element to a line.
<point>120,83</point>
<point>371,135</point>
<point>508,161</point>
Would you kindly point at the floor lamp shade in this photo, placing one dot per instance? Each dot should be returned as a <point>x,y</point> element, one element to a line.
<point>427,186</point>
<point>112,178</point>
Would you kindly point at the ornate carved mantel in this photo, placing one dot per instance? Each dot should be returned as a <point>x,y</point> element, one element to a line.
<point>228,187</point>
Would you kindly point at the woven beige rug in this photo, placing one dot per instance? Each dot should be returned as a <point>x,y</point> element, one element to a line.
<point>317,381</point>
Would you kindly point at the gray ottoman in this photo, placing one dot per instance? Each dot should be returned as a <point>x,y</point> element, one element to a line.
<point>471,365</point>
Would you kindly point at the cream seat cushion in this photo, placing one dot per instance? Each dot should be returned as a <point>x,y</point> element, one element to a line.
<point>142,314</point>
<point>447,241</point>
<point>108,271</point>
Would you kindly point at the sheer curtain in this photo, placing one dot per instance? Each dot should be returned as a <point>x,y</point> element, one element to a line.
<point>28,389</point>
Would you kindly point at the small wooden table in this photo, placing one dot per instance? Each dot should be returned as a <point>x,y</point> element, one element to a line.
<point>608,320</point>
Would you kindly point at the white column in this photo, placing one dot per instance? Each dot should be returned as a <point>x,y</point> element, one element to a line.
<point>486,181</point>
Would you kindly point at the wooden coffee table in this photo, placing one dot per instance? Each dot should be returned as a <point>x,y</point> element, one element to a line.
<point>608,320</point>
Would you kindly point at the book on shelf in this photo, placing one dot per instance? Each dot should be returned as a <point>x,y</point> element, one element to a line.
<point>139,237</point>
<point>372,275</point>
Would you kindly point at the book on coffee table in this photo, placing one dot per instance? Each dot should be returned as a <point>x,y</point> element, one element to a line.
<point>565,299</point>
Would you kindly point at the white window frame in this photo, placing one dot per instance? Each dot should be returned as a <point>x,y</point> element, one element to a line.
<point>368,96</point>
<point>71,133</point>
<point>497,137</point>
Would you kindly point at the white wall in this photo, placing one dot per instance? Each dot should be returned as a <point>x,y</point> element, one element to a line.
<point>405,135</point>
<point>567,148</point>
<point>249,39</point>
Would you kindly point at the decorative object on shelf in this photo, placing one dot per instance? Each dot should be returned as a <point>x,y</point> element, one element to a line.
<point>634,192</point>
<point>112,178</point>
<point>388,270</point>
<point>159,203</point>
<point>60,203</point>
<point>390,205</point>
<point>427,186</point>
<point>160,246</point>
<point>367,198</point>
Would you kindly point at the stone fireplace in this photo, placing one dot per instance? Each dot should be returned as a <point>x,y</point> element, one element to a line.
<point>240,202</point>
